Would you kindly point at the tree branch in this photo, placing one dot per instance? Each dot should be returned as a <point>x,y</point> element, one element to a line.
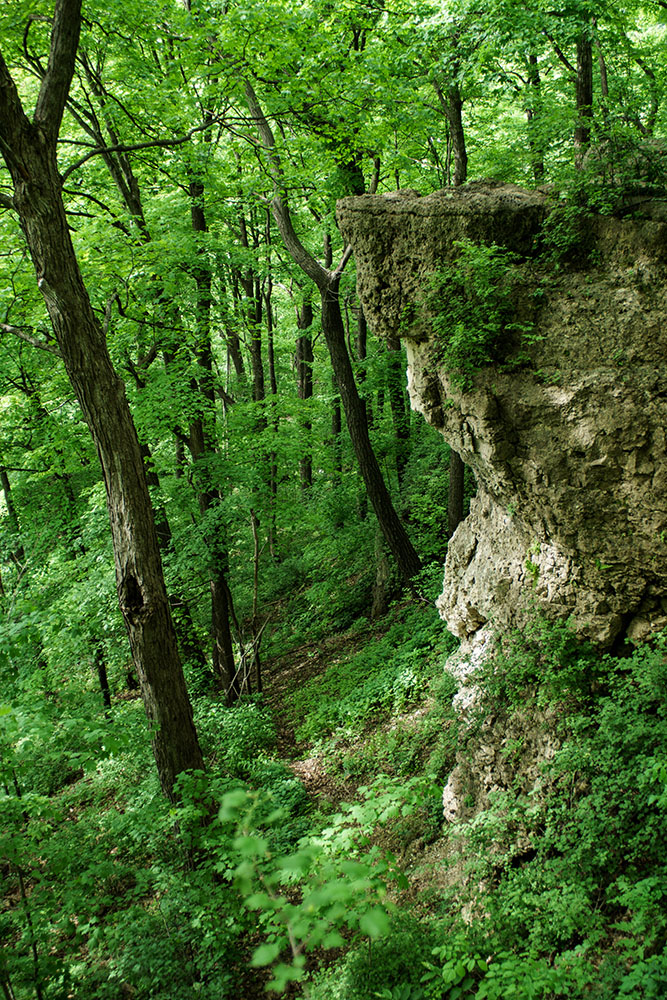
<point>561,55</point>
<point>23,334</point>
<point>133,147</point>
<point>60,67</point>
<point>12,117</point>
<point>279,205</point>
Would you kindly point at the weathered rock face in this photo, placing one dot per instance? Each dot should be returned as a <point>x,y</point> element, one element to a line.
<point>569,451</point>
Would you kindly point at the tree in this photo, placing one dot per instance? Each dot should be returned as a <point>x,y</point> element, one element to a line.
<point>327,282</point>
<point>29,151</point>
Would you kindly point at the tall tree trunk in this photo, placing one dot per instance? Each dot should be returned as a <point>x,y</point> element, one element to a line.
<point>327,282</point>
<point>103,680</point>
<point>273,412</point>
<point>584,95</point>
<point>121,171</point>
<point>202,447</point>
<point>451,103</point>
<point>189,644</point>
<point>532,114</point>
<point>336,434</point>
<point>29,150</point>
<point>304,376</point>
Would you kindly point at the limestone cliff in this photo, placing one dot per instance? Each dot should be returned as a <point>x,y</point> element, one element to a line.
<point>569,450</point>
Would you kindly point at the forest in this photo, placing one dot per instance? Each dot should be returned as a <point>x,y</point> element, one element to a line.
<point>226,715</point>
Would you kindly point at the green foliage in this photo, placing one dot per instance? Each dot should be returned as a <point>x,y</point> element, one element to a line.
<point>590,875</point>
<point>111,891</point>
<point>235,735</point>
<point>390,968</point>
<point>566,236</point>
<point>472,302</point>
<point>342,881</point>
<point>386,677</point>
<point>544,657</point>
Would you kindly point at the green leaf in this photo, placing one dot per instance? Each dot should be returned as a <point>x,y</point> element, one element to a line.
<point>375,923</point>
<point>265,954</point>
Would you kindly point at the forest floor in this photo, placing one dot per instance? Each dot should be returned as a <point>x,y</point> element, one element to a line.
<point>420,855</point>
<point>298,668</point>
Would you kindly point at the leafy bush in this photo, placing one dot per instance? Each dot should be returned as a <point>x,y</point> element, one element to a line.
<point>474,312</point>
<point>391,967</point>
<point>236,734</point>
<point>590,877</point>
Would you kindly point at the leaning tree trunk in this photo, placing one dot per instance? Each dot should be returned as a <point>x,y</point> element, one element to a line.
<point>328,283</point>
<point>395,534</point>
<point>29,150</point>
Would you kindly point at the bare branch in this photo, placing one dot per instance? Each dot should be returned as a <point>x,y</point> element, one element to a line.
<point>133,147</point>
<point>347,253</point>
<point>23,334</point>
<point>561,55</point>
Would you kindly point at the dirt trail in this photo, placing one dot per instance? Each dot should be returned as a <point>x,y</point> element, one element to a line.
<point>282,676</point>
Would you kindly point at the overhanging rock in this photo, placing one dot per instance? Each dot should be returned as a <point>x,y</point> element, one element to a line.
<point>569,450</point>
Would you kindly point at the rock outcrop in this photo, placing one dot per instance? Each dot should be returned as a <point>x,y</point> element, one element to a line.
<point>569,450</point>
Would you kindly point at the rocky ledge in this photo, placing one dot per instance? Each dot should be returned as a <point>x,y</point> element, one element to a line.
<point>568,449</point>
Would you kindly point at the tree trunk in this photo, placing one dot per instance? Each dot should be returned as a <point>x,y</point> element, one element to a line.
<point>189,644</point>
<point>336,432</point>
<point>273,412</point>
<point>304,377</point>
<point>202,447</point>
<point>224,667</point>
<point>334,332</point>
<point>395,534</point>
<point>452,105</point>
<point>29,150</point>
<point>532,114</point>
<point>584,89</point>
<point>101,670</point>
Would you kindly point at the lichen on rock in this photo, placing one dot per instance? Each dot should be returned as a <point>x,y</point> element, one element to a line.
<point>569,449</point>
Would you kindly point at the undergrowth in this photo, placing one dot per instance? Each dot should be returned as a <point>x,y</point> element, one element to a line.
<point>548,892</point>
<point>564,888</point>
<point>387,677</point>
